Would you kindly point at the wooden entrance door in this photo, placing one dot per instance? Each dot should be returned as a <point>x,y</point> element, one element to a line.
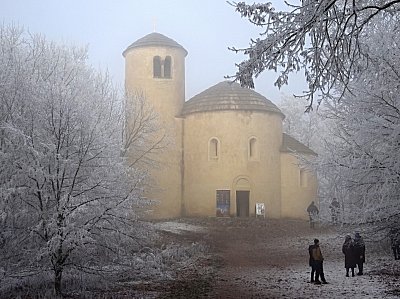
<point>242,203</point>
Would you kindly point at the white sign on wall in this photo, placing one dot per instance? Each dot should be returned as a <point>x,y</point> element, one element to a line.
<point>260,209</point>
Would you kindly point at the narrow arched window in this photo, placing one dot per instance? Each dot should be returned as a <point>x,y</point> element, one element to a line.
<point>253,149</point>
<point>213,149</point>
<point>167,67</point>
<point>157,67</point>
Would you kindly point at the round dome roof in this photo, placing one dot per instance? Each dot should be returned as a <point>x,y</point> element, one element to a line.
<point>154,39</point>
<point>228,95</point>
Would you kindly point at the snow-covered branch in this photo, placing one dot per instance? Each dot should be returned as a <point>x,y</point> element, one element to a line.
<point>322,38</point>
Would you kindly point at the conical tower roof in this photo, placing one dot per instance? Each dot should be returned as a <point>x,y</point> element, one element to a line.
<point>156,40</point>
<point>228,95</point>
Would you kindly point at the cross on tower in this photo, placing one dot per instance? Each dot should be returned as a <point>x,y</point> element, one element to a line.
<point>154,24</point>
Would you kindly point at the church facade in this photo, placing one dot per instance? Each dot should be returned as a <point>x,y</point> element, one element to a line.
<point>227,154</point>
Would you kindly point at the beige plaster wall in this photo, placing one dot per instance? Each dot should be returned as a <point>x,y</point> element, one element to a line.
<point>167,96</point>
<point>296,198</point>
<point>203,176</point>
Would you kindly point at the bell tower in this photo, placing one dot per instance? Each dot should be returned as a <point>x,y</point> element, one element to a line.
<point>155,67</point>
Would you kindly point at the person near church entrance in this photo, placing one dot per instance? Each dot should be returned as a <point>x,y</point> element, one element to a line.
<point>313,212</point>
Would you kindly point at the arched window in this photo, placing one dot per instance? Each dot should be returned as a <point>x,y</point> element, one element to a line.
<point>253,149</point>
<point>157,67</point>
<point>213,149</point>
<point>167,67</point>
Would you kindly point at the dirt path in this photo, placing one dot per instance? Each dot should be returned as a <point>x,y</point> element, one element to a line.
<point>254,253</point>
<point>260,258</point>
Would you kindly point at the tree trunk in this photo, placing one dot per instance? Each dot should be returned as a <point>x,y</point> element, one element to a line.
<point>57,279</point>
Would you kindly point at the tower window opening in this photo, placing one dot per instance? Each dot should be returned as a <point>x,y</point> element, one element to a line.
<point>162,68</point>
<point>167,67</point>
<point>157,67</point>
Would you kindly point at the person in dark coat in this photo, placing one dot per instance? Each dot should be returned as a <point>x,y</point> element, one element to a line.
<point>349,255</point>
<point>317,260</point>
<point>313,212</point>
<point>359,247</point>
<point>311,262</point>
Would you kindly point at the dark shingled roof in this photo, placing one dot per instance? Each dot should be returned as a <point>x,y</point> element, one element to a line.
<point>154,39</point>
<point>291,145</point>
<point>228,95</point>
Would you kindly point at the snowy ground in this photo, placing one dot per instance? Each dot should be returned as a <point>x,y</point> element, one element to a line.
<point>178,227</point>
<point>292,283</point>
<point>269,259</point>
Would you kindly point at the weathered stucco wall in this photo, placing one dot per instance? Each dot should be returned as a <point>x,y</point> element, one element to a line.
<point>167,96</point>
<point>232,170</point>
<point>297,192</point>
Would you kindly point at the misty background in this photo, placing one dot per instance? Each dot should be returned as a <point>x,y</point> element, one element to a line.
<point>204,28</point>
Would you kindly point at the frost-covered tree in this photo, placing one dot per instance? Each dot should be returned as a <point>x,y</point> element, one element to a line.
<point>363,149</point>
<point>349,52</point>
<point>67,194</point>
<point>313,129</point>
<point>305,127</point>
<point>322,37</point>
<point>144,137</point>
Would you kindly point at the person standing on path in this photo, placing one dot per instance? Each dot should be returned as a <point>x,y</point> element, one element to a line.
<point>359,248</point>
<point>318,260</point>
<point>313,212</point>
<point>311,262</point>
<point>349,255</point>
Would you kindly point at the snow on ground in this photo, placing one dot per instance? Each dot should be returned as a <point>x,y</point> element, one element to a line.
<point>292,280</point>
<point>269,259</point>
<point>178,227</point>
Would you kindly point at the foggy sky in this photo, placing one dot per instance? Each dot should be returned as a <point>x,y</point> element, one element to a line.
<point>204,28</point>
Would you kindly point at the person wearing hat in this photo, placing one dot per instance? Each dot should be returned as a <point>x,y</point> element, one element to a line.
<point>349,255</point>
<point>359,248</point>
<point>316,262</point>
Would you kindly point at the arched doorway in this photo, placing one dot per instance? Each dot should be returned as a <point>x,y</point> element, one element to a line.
<point>242,188</point>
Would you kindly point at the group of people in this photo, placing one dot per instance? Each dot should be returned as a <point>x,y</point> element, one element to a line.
<point>354,255</point>
<point>313,212</point>
<point>353,248</point>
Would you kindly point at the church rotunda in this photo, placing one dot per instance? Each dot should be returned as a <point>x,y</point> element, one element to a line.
<point>228,155</point>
